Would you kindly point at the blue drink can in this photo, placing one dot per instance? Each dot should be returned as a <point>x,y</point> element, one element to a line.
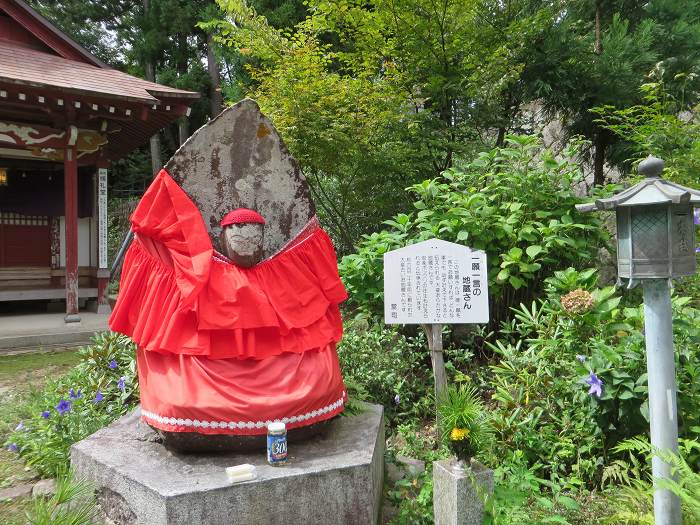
<point>276,443</point>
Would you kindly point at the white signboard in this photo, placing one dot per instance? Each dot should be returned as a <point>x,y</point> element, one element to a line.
<point>102,216</point>
<point>435,282</point>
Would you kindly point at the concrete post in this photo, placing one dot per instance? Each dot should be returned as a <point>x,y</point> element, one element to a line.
<point>658,332</point>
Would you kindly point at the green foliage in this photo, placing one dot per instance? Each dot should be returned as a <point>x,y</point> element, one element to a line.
<point>413,497</point>
<point>73,503</point>
<point>546,355</point>
<point>632,502</point>
<point>372,98</point>
<point>662,125</point>
<point>464,423</point>
<point>516,203</point>
<point>74,406</point>
<point>388,368</point>
<point>522,498</point>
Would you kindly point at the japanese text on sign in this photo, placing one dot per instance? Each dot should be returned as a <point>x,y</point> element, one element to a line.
<point>102,216</point>
<point>435,282</point>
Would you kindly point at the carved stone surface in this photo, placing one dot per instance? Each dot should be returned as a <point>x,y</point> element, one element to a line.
<point>238,160</point>
<point>459,496</point>
<point>333,479</point>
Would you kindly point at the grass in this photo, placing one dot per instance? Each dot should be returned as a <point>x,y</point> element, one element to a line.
<point>17,370</point>
<point>21,377</point>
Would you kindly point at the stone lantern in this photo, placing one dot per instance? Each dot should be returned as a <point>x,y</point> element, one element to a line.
<point>656,243</point>
<point>655,229</point>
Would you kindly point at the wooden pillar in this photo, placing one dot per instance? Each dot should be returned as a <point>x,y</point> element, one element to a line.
<point>70,191</point>
<point>102,267</point>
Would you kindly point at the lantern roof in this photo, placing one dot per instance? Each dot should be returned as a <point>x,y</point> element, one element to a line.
<point>652,190</point>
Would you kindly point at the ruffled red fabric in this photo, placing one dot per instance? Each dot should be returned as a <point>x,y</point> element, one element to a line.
<point>176,297</point>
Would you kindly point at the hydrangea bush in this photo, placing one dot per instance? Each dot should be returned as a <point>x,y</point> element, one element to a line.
<point>102,387</point>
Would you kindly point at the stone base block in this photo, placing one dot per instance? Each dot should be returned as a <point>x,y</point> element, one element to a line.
<point>331,479</point>
<point>459,496</point>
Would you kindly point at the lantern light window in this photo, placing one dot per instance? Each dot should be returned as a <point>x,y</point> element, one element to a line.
<point>655,227</point>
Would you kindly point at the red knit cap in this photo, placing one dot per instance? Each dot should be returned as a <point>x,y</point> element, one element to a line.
<point>242,216</point>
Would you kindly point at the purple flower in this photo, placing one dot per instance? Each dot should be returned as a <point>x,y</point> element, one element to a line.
<point>75,395</point>
<point>397,399</point>
<point>12,447</point>
<point>581,358</point>
<point>63,406</point>
<point>46,414</point>
<point>596,385</point>
<point>98,397</point>
<point>19,427</point>
<point>113,364</point>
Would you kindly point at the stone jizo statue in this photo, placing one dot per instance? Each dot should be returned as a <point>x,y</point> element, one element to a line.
<point>230,290</point>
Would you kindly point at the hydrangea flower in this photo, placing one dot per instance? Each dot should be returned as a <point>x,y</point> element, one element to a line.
<point>121,384</point>
<point>577,302</point>
<point>596,385</point>
<point>75,395</point>
<point>63,406</point>
<point>12,447</point>
<point>98,397</point>
<point>113,364</point>
<point>46,414</point>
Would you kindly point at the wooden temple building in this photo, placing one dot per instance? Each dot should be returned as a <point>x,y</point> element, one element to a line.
<point>64,117</point>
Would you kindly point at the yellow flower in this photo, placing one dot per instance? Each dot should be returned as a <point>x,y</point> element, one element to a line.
<point>458,434</point>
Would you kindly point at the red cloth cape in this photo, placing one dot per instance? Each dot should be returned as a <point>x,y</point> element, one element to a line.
<point>225,349</point>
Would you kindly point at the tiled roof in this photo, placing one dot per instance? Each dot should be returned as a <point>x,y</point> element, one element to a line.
<point>19,65</point>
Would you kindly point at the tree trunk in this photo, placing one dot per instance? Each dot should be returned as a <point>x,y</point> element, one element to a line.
<point>501,139</point>
<point>183,123</point>
<point>217,101</point>
<point>598,42</point>
<point>599,159</point>
<point>156,161</point>
<point>183,129</point>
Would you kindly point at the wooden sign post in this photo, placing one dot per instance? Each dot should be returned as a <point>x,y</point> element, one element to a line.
<point>434,283</point>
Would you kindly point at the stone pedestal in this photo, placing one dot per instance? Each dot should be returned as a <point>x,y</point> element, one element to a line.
<point>458,497</point>
<point>336,478</point>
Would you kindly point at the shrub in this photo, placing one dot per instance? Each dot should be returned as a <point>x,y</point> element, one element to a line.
<point>571,381</point>
<point>390,369</point>
<point>516,203</point>
<point>101,388</point>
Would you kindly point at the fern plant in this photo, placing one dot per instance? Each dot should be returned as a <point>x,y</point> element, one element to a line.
<point>634,500</point>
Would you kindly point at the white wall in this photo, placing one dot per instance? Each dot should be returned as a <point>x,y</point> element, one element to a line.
<point>87,255</point>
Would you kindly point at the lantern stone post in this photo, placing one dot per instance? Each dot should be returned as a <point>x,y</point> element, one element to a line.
<point>655,244</point>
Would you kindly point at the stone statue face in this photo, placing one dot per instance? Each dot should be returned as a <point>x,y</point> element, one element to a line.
<point>243,243</point>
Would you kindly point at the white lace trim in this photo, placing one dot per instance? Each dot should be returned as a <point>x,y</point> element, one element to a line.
<point>196,423</point>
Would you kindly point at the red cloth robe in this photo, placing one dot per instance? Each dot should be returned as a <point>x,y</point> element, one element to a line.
<point>224,349</point>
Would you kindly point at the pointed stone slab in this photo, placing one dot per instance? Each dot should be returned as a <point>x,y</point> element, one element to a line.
<point>239,160</point>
